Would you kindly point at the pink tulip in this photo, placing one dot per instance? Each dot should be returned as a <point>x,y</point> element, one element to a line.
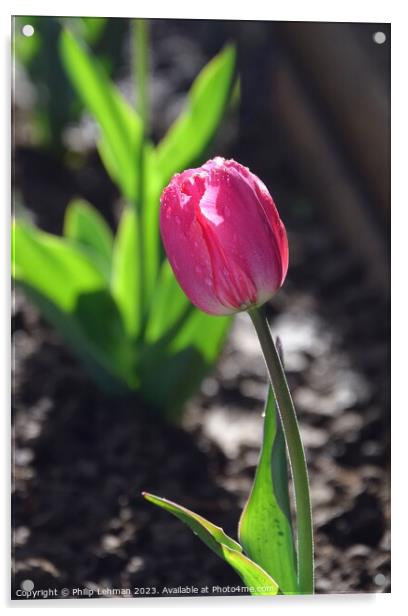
<point>223,237</point>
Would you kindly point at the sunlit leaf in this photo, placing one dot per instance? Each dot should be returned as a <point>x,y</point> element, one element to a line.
<point>126,271</point>
<point>265,529</point>
<point>52,265</point>
<point>109,367</point>
<point>72,294</point>
<point>253,576</point>
<point>193,131</point>
<point>181,344</point>
<point>205,331</point>
<point>169,303</point>
<point>149,221</point>
<point>84,225</point>
<point>120,126</point>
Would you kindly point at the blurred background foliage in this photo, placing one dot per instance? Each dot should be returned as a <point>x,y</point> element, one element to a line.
<point>113,298</point>
<point>56,103</point>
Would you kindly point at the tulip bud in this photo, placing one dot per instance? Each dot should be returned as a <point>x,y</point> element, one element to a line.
<point>223,237</point>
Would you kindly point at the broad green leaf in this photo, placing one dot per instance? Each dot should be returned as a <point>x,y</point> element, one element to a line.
<point>84,225</point>
<point>169,305</point>
<point>205,331</point>
<point>94,333</point>
<point>193,131</point>
<point>265,529</point>
<point>258,581</point>
<point>71,293</point>
<point>127,271</point>
<point>149,220</point>
<point>181,345</point>
<point>120,126</point>
<point>53,266</point>
<point>148,212</point>
<point>254,577</point>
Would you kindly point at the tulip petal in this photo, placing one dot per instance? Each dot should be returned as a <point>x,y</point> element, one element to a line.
<point>223,237</point>
<point>187,251</point>
<point>270,210</point>
<point>245,235</point>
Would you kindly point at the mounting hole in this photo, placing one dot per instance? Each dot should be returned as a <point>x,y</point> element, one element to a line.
<point>27,585</point>
<point>27,30</point>
<point>379,38</point>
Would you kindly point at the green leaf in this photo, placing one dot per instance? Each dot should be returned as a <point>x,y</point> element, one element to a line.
<point>84,225</point>
<point>149,220</point>
<point>126,271</point>
<point>168,305</point>
<point>120,126</point>
<point>205,331</point>
<point>94,28</point>
<point>254,577</point>
<point>94,333</point>
<point>192,132</point>
<point>181,345</point>
<point>52,265</point>
<point>71,293</point>
<point>264,529</point>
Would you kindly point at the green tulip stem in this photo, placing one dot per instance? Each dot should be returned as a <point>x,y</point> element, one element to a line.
<point>141,53</point>
<point>141,42</point>
<point>295,451</point>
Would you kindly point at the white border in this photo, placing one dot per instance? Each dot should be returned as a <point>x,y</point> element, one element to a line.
<point>295,10</point>
<point>312,10</point>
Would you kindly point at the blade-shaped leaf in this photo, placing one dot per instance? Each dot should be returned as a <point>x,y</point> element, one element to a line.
<point>181,344</point>
<point>168,305</point>
<point>126,271</point>
<point>120,126</point>
<point>101,348</point>
<point>193,131</point>
<point>149,220</point>
<point>71,293</point>
<point>258,581</point>
<point>254,577</point>
<point>264,529</point>
<point>84,225</point>
<point>52,265</point>
<point>206,332</point>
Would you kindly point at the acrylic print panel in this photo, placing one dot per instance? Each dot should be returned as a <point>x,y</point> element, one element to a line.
<point>200,208</point>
